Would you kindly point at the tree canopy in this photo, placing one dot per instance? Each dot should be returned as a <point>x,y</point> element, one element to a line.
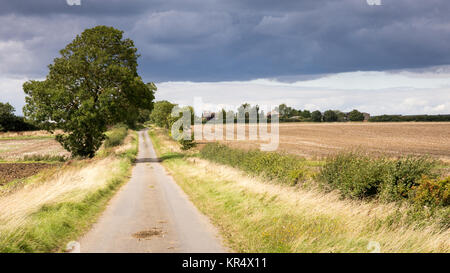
<point>355,115</point>
<point>10,122</point>
<point>93,84</point>
<point>316,116</point>
<point>161,113</point>
<point>330,116</point>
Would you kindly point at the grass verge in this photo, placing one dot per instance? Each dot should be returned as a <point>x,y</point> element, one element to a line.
<point>254,216</point>
<point>26,137</point>
<point>62,207</point>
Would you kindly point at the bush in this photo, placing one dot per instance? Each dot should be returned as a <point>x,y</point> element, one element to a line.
<point>160,114</point>
<point>433,192</point>
<point>354,175</point>
<point>47,157</point>
<point>403,174</point>
<point>116,135</point>
<point>361,176</point>
<point>287,169</point>
<point>187,144</point>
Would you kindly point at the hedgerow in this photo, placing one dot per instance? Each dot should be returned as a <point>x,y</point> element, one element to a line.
<point>116,135</point>
<point>433,192</point>
<point>361,176</point>
<point>287,169</point>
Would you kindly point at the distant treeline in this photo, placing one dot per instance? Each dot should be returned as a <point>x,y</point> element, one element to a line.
<point>11,122</point>
<point>400,118</point>
<point>161,115</point>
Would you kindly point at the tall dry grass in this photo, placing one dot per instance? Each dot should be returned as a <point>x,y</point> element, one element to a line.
<point>68,185</point>
<point>39,133</point>
<point>351,219</point>
<point>260,216</point>
<point>43,212</point>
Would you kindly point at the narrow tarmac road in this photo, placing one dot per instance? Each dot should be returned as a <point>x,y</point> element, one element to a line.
<point>151,214</point>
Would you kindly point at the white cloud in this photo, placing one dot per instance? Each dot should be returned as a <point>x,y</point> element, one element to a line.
<point>11,91</point>
<point>14,54</point>
<point>388,93</point>
<point>373,92</point>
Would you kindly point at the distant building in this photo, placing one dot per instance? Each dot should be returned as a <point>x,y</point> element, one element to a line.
<point>207,115</point>
<point>366,116</point>
<point>274,112</point>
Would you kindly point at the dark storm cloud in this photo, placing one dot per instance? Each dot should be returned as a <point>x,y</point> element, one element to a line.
<point>99,7</point>
<point>214,40</point>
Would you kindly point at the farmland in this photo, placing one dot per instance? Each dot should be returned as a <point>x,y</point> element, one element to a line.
<point>318,140</point>
<point>20,151</point>
<point>272,202</point>
<point>62,199</point>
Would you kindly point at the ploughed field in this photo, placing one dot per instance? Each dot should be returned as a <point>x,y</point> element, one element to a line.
<point>317,140</point>
<point>19,150</point>
<point>13,171</point>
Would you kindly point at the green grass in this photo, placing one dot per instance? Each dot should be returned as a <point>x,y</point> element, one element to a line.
<point>115,136</point>
<point>285,168</point>
<point>156,142</point>
<point>54,225</point>
<point>358,175</point>
<point>254,222</point>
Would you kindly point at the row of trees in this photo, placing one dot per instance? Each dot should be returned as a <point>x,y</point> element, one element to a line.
<point>291,114</point>
<point>400,118</point>
<point>162,110</point>
<point>10,122</point>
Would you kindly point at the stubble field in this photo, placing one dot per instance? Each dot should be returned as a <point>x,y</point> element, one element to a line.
<point>318,140</point>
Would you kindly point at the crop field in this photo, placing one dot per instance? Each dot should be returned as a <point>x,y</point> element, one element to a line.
<point>317,140</point>
<point>19,150</point>
<point>13,149</point>
<point>13,171</point>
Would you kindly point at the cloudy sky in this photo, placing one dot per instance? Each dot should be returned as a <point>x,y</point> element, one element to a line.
<point>313,54</point>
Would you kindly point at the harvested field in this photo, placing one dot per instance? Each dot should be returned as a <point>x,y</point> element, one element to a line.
<point>28,134</point>
<point>316,140</point>
<point>16,149</point>
<point>13,171</point>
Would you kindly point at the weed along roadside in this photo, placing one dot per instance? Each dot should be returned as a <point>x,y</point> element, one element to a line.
<point>63,203</point>
<point>258,209</point>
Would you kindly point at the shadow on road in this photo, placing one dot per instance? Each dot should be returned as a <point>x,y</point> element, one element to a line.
<point>160,159</point>
<point>146,160</point>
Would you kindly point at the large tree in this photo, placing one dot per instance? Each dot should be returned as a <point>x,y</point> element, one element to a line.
<point>161,113</point>
<point>316,116</point>
<point>93,84</point>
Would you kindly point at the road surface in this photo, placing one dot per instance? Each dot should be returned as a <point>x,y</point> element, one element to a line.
<point>151,214</point>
